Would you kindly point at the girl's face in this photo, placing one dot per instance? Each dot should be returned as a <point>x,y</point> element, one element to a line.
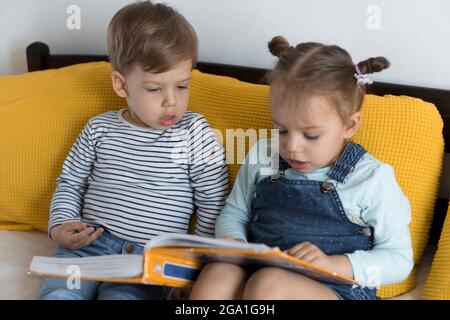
<point>313,135</point>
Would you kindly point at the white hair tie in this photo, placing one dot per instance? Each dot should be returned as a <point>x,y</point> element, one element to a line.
<point>362,79</point>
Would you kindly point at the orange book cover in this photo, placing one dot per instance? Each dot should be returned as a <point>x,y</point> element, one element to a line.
<point>176,260</point>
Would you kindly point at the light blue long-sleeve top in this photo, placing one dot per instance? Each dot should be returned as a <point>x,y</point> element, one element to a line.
<point>370,196</point>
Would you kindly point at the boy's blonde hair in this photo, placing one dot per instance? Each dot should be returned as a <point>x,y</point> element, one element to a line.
<point>153,36</point>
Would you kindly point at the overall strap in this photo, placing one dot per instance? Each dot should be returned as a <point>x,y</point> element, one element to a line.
<point>353,152</point>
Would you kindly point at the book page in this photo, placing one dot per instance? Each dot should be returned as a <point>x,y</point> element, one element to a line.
<point>189,240</point>
<point>101,267</point>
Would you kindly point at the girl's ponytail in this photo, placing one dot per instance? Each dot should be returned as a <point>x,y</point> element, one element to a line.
<point>279,46</point>
<point>373,65</point>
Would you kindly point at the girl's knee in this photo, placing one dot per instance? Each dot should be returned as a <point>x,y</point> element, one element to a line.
<point>219,281</point>
<point>275,284</point>
<point>264,284</point>
<point>222,270</point>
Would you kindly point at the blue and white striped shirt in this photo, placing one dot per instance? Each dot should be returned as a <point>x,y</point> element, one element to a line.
<point>141,182</point>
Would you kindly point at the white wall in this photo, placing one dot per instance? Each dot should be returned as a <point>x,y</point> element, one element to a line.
<point>413,34</point>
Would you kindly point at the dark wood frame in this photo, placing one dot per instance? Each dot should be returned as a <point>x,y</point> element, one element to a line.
<point>39,58</point>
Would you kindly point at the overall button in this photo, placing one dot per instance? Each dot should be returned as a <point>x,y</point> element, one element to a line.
<point>255,217</point>
<point>326,187</point>
<point>367,232</point>
<point>129,248</point>
<point>275,177</point>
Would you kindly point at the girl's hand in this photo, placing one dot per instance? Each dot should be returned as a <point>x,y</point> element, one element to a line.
<point>74,235</point>
<point>310,253</point>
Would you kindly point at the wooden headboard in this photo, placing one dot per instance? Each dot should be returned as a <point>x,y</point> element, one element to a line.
<point>39,58</point>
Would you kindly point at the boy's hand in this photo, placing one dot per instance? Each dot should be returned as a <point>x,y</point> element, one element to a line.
<point>74,235</point>
<point>310,253</point>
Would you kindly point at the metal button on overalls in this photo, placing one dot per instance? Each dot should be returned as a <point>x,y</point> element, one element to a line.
<point>326,187</point>
<point>129,248</point>
<point>367,232</point>
<point>275,177</point>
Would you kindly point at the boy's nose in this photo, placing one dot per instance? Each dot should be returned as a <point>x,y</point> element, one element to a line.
<point>170,100</point>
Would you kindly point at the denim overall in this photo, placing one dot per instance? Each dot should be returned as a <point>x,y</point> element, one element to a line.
<point>287,212</point>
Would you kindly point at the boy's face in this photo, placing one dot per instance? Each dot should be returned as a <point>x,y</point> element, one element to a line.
<point>156,100</point>
<point>312,136</point>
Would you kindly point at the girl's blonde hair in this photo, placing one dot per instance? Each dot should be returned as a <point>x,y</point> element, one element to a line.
<point>314,69</point>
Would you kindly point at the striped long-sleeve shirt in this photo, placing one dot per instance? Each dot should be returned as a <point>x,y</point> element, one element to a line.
<point>140,182</point>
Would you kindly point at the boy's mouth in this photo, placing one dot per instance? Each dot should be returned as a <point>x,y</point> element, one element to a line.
<point>168,121</point>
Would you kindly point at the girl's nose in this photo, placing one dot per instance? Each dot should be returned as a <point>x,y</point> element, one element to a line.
<point>294,145</point>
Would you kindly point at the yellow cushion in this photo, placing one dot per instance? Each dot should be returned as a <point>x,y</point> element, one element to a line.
<point>43,112</point>
<point>437,286</point>
<point>228,103</point>
<point>407,133</point>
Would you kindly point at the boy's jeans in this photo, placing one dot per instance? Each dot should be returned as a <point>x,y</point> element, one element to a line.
<point>58,288</point>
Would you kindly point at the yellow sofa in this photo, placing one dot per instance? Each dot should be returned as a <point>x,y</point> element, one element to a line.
<point>43,112</point>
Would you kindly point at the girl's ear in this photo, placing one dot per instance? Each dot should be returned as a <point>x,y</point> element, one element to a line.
<point>118,82</point>
<point>352,125</point>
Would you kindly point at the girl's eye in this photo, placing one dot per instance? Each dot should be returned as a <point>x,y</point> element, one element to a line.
<point>153,89</point>
<point>311,137</point>
<point>182,87</point>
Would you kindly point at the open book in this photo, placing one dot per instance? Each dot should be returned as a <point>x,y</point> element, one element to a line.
<point>176,260</point>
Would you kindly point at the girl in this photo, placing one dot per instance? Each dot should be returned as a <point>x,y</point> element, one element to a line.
<point>330,202</point>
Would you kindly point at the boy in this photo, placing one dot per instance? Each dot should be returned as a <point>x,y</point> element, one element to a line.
<point>141,171</point>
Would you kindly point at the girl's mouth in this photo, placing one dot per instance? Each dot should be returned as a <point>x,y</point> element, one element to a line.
<point>298,165</point>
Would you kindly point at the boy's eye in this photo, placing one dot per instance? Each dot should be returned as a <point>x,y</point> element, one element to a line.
<point>182,87</point>
<point>282,131</point>
<point>153,89</point>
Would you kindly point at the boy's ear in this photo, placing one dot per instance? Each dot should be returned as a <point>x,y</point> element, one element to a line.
<point>352,125</point>
<point>118,82</point>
